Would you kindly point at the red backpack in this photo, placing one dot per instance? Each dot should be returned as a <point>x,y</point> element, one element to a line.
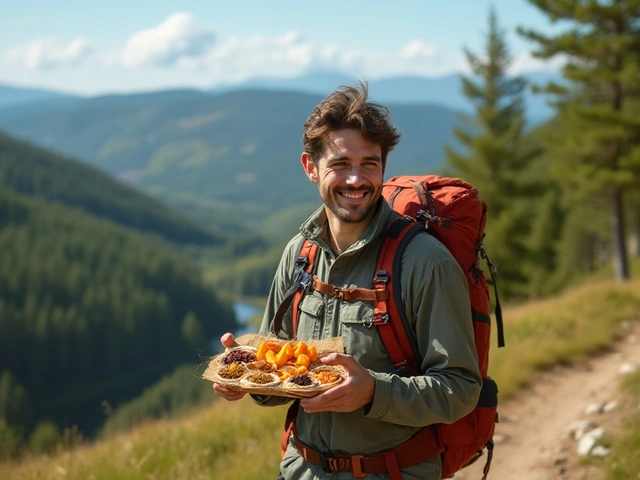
<point>451,211</point>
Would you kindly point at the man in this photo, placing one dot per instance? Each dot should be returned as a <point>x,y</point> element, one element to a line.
<point>346,141</point>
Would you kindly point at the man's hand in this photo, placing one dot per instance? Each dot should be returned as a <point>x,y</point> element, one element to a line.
<point>227,340</point>
<point>356,391</point>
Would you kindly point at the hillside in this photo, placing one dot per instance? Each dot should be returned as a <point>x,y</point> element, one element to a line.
<point>33,171</point>
<point>12,96</point>
<point>540,335</point>
<point>235,148</point>
<point>91,311</point>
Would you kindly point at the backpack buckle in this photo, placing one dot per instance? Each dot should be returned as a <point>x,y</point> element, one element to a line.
<point>302,263</point>
<point>306,279</point>
<point>381,276</point>
<point>380,318</point>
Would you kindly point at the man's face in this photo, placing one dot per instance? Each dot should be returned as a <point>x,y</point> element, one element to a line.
<point>349,175</point>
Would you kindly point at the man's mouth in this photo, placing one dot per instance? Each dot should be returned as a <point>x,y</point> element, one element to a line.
<point>353,195</point>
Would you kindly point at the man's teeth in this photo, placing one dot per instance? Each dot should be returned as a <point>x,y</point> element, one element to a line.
<point>353,195</point>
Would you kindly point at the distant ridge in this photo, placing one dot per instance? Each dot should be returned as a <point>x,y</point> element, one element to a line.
<point>13,95</point>
<point>35,172</point>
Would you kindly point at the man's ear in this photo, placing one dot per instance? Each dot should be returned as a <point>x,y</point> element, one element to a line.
<point>309,167</point>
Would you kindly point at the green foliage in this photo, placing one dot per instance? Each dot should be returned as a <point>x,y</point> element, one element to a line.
<point>36,172</point>
<point>92,311</point>
<point>596,150</point>
<point>45,437</point>
<point>498,161</point>
<point>624,461</point>
<point>14,401</point>
<point>10,441</point>
<point>173,395</point>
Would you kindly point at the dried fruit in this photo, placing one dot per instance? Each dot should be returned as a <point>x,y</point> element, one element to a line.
<point>239,356</point>
<point>235,370</point>
<point>302,380</point>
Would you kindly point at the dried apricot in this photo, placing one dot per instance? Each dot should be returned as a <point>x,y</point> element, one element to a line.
<point>313,353</point>
<point>301,349</point>
<point>303,360</point>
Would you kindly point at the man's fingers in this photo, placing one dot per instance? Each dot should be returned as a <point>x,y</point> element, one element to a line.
<point>227,340</point>
<point>228,394</point>
<point>338,359</point>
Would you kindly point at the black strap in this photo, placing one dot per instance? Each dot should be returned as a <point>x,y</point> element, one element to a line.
<point>498,313</point>
<point>302,281</point>
<point>494,273</point>
<point>487,465</point>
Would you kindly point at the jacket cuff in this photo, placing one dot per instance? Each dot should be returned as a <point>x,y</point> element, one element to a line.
<point>381,396</point>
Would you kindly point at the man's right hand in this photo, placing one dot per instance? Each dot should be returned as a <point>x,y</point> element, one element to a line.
<point>227,341</point>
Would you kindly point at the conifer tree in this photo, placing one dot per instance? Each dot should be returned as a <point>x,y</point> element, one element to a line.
<point>496,157</point>
<point>597,150</point>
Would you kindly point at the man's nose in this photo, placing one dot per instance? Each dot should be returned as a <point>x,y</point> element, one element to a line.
<point>355,177</point>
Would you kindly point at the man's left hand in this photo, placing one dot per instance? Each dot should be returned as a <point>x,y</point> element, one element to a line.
<point>356,391</point>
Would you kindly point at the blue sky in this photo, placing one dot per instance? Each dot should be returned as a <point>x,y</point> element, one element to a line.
<point>91,48</point>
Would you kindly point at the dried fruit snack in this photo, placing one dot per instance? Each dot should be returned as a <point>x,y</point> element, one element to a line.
<point>329,375</point>
<point>275,362</point>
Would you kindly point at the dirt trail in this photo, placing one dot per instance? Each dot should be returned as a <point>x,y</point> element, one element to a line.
<point>532,437</point>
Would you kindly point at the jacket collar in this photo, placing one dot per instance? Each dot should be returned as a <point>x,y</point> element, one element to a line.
<point>316,227</point>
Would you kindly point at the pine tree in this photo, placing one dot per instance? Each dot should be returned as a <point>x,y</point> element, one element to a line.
<point>496,158</point>
<point>597,150</point>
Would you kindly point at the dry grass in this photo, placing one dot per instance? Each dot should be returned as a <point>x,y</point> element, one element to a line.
<point>227,440</point>
<point>241,440</point>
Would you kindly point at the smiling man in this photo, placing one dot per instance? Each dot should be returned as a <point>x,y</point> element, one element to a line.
<point>371,424</point>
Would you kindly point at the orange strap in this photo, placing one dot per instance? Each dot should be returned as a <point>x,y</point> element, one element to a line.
<point>387,315</point>
<point>309,251</point>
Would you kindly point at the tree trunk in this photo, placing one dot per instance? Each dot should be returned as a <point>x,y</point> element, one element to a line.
<point>619,250</point>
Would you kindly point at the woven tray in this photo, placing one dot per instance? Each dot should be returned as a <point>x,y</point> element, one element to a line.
<point>282,389</point>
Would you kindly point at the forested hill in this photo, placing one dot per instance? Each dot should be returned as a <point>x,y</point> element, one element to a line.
<point>90,311</point>
<point>36,172</point>
<point>233,148</point>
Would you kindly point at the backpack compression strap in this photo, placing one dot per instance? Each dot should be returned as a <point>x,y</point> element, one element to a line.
<point>302,279</point>
<point>388,317</point>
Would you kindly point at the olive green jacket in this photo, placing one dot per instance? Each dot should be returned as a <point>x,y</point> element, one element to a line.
<point>436,298</point>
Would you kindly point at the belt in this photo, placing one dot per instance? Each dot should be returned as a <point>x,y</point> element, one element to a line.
<point>418,449</point>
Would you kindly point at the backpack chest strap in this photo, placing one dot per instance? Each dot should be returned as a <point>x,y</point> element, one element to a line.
<point>350,294</point>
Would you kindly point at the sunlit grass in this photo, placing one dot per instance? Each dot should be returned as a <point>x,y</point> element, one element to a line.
<point>624,461</point>
<point>561,330</point>
<point>241,440</point>
<point>236,440</point>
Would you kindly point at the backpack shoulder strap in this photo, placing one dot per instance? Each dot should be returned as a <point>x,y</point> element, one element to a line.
<point>302,278</point>
<point>389,316</point>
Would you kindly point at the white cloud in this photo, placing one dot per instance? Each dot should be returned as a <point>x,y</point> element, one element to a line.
<point>526,62</point>
<point>179,38</point>
<point>48,53</point>
<point>239,58</point>
<point>418,50</point>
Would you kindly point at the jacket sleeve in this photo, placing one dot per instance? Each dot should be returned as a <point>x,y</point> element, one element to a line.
<point>438,306</point>
<point>281,283</point>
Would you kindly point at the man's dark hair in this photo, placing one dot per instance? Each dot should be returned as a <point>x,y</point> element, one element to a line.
<point>347,108</point>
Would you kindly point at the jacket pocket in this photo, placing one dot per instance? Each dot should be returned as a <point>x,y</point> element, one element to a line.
<point>310,316</point>
<point>360,336</point>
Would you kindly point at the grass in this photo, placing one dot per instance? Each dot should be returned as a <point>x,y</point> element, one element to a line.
<point>561,330</point>
<point>236,440</point>
<point>241,440</point>
<point>624,461</point>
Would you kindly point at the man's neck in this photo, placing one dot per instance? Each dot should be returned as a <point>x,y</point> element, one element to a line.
<point>342,235</point>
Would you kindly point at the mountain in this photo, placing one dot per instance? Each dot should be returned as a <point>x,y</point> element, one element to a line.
<point>93,307</point>
<point>445,91</point>
<point>238,150</point>
<point>33,171</point>
<point>12,96</point>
